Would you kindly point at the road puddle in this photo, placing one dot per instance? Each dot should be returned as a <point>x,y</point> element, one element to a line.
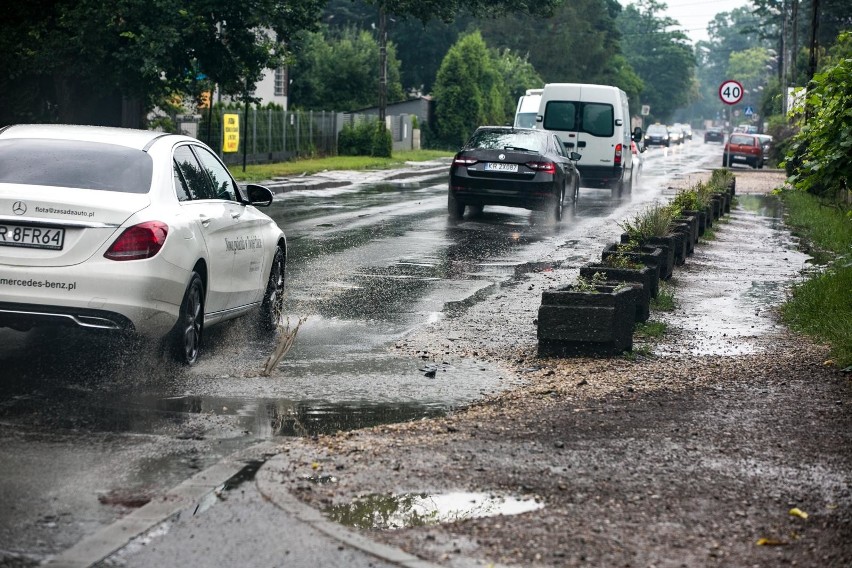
<point>391,512</point>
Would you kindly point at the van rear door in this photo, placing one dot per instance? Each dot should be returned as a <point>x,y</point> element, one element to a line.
<point>586,127</point>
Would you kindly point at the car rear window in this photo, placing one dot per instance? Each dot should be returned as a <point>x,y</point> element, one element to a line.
<point>596,119</point>
<point>75,164</point>
<point>502,139</point>
<point>742,140</point>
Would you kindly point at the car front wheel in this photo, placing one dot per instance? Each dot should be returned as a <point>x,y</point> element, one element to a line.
<point>575,192</point>
<point>273,298</point>
<point>186,340</point>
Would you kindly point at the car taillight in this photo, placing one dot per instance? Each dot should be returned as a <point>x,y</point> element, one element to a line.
<point>618,149</point>
<point>463,161</point>
<point>545,167</point>
<point>139,241</point>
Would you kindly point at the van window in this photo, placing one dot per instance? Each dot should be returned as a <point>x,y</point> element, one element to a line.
<point>598,119</point>
<point>560,115</point>
<point>525,120</point>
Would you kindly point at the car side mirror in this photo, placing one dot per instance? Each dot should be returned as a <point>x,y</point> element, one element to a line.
<point>259,195</point>
<point>637,134</point>
<point>574,156</point>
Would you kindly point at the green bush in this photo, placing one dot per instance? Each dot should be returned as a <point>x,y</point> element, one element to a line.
<point>367,138</point>
<point>382,142</point>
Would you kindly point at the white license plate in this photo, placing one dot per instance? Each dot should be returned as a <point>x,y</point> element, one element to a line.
<point>497,167</point>
<point>31,236</point>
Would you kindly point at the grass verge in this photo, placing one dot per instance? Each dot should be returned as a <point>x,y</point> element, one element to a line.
<point>821,305</point>
<point>260,172</point>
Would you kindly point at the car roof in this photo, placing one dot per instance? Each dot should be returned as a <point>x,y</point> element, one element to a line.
<point>138,139</point>
<point>512,129</point>
<point>741,134</point>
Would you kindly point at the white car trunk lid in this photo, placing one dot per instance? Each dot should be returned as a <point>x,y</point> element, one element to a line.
<point>59,226</point>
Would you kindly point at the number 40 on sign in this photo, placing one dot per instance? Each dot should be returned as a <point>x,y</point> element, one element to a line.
<point>731,92</point>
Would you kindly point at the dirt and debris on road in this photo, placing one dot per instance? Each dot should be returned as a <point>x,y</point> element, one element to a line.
<point>728,442</point>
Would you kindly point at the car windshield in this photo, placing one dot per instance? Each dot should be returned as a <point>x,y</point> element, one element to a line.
<point>75,164</point>
<point>505,140</point>
<point>656,129</point>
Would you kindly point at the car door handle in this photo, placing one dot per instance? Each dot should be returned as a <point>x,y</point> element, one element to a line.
<point>581,144</point>
<point>205,220</point>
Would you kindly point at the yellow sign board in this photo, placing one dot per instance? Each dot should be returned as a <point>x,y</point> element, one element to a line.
<point>231,140</point>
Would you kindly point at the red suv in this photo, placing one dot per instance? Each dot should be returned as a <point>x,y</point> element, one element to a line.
<point>743,148</point>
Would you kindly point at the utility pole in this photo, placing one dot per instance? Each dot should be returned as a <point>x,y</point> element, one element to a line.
<point>783,68</point>
<point>812,58</point>
<point>383,63</point>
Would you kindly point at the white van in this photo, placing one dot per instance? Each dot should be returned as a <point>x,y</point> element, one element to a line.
<point>527,109</point>
<point>593,120</point>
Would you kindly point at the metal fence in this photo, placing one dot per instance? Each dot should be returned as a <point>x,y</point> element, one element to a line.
<point>270,135</point>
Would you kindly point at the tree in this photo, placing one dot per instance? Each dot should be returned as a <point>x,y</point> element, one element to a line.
<point>339,71</point>
<point>751,68</point>
<point>85,61</point>
<point>447,10</point>
<point>820,158</point>
<point>468,91</point>
<point>576,44</point>
<point>518,75</point>
<point>729,33</point>
<point>662,59</point>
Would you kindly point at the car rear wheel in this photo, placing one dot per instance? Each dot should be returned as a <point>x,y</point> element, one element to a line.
<point>557,204</point>
<point>273,298</point>
<point>454,208</point>
<point>186,340</point>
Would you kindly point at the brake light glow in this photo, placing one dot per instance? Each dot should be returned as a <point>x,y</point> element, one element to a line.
<point>545,167</point>
<point>618,150</point>
<point>463,161</point>
<point>139,241</point>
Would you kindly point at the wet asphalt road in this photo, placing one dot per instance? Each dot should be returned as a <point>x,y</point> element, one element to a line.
<point>91,427</point>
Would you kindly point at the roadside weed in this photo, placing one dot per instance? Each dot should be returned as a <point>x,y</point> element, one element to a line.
<point>650,329</point>
<point>665,300</point>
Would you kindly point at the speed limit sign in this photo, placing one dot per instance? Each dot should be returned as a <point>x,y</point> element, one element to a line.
<point>731,92</point>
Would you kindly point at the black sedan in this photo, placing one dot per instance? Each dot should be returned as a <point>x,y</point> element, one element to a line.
<point>514,167</point>
<point>714,134</point>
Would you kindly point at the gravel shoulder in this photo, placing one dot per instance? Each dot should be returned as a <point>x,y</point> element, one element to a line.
<point>691,453</point>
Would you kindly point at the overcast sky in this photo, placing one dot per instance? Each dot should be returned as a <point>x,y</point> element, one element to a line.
<point>694,15</point>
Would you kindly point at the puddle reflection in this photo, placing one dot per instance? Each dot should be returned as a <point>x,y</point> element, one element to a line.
<point>406,510</point>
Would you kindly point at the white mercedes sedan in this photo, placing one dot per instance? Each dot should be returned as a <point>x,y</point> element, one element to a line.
<point>131,230</point>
